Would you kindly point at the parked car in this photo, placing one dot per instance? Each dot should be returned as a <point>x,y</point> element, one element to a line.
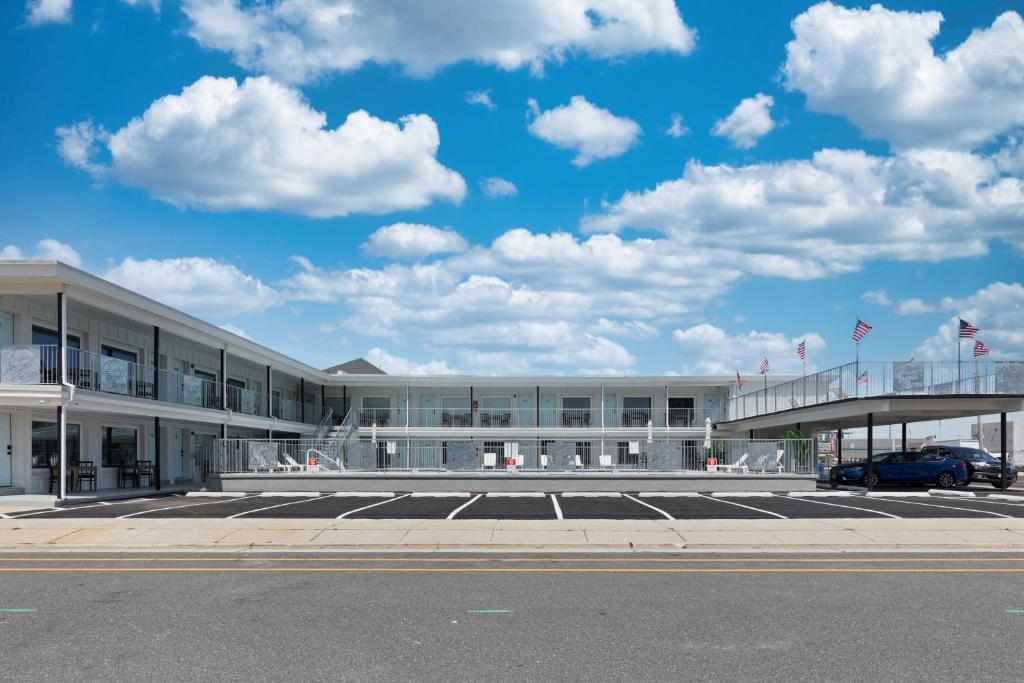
<point>902,468</point>
<point>981,465</point>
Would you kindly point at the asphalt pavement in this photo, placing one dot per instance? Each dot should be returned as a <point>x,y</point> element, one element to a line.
<point>521,617</point>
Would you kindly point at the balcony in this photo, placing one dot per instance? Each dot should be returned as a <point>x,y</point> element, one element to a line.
<point>530,418</point>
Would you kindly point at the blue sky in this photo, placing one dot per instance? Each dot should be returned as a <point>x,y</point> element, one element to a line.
<point>836,161</point>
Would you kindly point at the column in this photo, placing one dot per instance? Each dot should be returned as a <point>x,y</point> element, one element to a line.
<point>156,367</point>
<point>839,446</point>
<point>302,399</point>
<point>903,437</point>
<point>156,453</point>
<point>270,405</point>
<point>223,379</point>
<point>62,418</point>
<point>1002,449</point>
<point>871,443</point>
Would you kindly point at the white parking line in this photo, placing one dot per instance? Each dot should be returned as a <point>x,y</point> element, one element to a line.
<point>558,508</point>
<point>658,510</point>
<point>516,494</point>
<point>3,516</point>
<point>591,494</point>
<point>271,507</point>
<point>372,505</point>
<point>178,507</point>
<point>729,502</point>
<point>849,507</point>
<point>464,506</point>
<point>364,494</point>
<point>81,507</point>
<point>950,507</point>
<point>439,494</point>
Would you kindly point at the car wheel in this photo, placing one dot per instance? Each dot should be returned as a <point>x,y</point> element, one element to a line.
<point>946,480</point>
<point>999,484</point>
<point>874,480</point>
<point>834,485</point>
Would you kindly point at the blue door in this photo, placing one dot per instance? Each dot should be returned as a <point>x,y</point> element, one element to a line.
<point>547,410</point>
<point>609,411</point>
<point>525,412</point>
<point>427,410</point>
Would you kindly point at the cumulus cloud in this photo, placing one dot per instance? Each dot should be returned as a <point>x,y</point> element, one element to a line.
<point>629,329</point>
<point>235,329</point>
<point>300,40</point>
<point>39,12</point>
<point>47,249</point>
<point>877,296</point>
<point>593,133</point>
<point>413,240</point>
<point>498,187</point>
<point>396,365</point>
<point>750,121</point>
<point>221,146</point>
<point>877,67</point>
<point>151,4</point>
<point>831,213</point>
<point>198,285</point>
<point>913,306</point>
<point>482,98</point>
<point>997,311</point>
<point>677,129</point>
<point>712,350</point>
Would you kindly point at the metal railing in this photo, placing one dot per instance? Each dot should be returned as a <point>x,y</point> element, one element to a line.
<point>246,401</point>
<point>884,378</point>
<point>29,364</point>
<point>585,418</point>
<point>736,456</point>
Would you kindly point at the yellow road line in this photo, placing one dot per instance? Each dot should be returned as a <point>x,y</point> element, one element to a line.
<point>509,570</point>
<point>539,560</point>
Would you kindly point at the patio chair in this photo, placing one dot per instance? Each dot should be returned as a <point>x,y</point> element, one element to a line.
<point>777,466</point>
<point>145,471</point>
<point>740,465</point>
<point>291,466</point>
<point>762,463</point>
<point>87,473</point>
<point>604,461</point>
<point>490,460</point>
<point>543,461</point>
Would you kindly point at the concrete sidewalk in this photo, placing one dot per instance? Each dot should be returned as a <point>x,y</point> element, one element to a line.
<point>775,535</point>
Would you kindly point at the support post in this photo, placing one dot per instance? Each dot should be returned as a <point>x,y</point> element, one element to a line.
<point>156,363</point>
<point>223,380</point>
<point>62,418</point>
<point>871,466</point>
<point>270,395</point>
<point>302,399</point>
<point>1002,449</point>
<point>156,453</point>
<point>903,437</point>
<point>839,446</point>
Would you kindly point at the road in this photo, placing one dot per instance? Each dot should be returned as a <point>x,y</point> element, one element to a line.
<point>521,617</point>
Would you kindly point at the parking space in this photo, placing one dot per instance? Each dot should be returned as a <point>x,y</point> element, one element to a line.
<point>633,505</point>
<point>510,507</point>
<point>604,507</point>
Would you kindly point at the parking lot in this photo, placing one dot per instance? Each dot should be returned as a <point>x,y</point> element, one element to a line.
<point>542,506</point>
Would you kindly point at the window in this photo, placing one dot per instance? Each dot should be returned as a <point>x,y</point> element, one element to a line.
<point>498,448</point>
<point>120,446</point>
<point>680,412</point>
<point>235,387</point>
<point>120,354</point>
<point>456,411</point>
<point>583,452</point>
<point>44,443</point>
<point>624,456</point>
<point>376,410</point>
<point>48,360</point>
<point>576,411</point>
<point>636,411</point>
<point>495,411</point>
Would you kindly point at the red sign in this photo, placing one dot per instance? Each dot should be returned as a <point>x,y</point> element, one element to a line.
<point>712,464</point>
<point>312,462</point>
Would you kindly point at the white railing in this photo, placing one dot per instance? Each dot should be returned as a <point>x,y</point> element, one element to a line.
<point>884,378</point>
<point>29,364</point>
<point>586,418</point>
<point>246,401</point>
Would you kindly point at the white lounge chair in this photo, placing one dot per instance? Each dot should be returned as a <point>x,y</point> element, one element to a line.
<point>604,460</point>
<point>740,465</point>
<point>579,463</point>
<point>779,455</point>
<point>543,462</point>
<point>490,460</point>
<point>291,466</point>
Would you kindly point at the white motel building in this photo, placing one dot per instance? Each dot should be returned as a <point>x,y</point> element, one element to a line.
<point>148,396</point>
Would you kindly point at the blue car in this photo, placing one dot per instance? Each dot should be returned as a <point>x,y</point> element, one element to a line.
<point>901,468</point>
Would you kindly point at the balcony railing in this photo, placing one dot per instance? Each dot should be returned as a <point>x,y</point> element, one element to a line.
<point>29,364</point>
<point>489,418</point>
<point>246,401</point>
<point>868,379</point>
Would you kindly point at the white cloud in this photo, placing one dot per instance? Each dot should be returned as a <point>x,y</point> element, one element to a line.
<point>47,249</point>
<point>997,310</point>
<point>593,133</point>
<point>413,240</point>
<point>396,365</point>
<point>714,351</point>
<point>877,296</point>
<point>198,285</point>
<point>877,67</point>
<point>677,129</point>
<point>913,307</point>
<point>220,146</point>
<point>300,40</point>
<point>39,12</point>
<point>831,213</point>
<point>482,98</point>
<point>151,4</point>
<point>630,329</point>
<point>749,121</point>
<point>235,329</point>
<point>498,187</point>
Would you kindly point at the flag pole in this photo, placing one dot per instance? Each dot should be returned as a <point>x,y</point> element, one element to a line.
<point>958,389</point>
<point>856,368</point>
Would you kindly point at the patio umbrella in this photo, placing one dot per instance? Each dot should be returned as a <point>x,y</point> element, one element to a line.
<point>707,433</point>
<point>650,431</point>
<point>373,433</point>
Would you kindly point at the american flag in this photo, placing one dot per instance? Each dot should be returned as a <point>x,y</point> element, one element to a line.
<point>863,378</point>
<point>860,330</point>
<point>980,349</point>
<point>764,366</point>
<point>967,330</point>
<point>801,350</point>
<point>739,380</point>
